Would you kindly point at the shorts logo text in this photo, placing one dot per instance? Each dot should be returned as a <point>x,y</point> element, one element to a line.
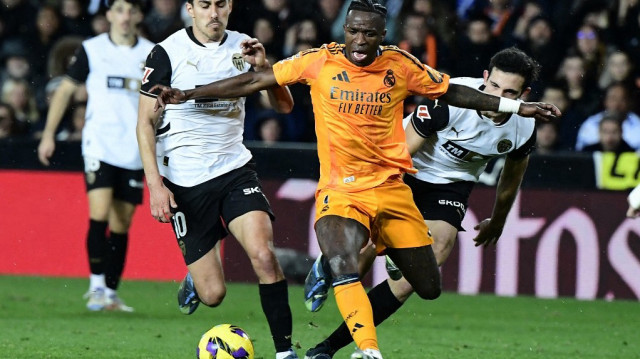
<point>250,191</point>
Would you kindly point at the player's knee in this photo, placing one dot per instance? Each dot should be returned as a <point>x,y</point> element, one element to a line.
<point>431,293</point>
<point>264,263</point>
<point>430,290</point>
<point>212,297</point>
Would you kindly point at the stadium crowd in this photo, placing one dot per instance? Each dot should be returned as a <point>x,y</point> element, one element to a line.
<point>588,50</point>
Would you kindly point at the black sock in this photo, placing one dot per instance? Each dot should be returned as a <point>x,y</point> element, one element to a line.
<point>116,255</point>
<point>96,246</point>
<point>275,305</point>
<point>383,303</point>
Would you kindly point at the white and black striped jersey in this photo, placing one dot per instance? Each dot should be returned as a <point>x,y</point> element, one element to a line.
<point>200,139</point>
<point>460,142</point>
<point>112,74</point>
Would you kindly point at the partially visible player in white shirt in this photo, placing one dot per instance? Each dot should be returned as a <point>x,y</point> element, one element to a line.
<point>450,148</point>
<point>200,175</point>
<point>111,66</point>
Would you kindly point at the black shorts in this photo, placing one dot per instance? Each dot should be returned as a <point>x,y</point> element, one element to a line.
<point>441,202</point>
<point>127,184</point>
<point>204,210</point>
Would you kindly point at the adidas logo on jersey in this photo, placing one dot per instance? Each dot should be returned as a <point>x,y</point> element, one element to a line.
<point>341,77</point>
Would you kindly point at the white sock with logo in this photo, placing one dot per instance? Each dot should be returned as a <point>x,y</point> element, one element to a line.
<point>96,281</point>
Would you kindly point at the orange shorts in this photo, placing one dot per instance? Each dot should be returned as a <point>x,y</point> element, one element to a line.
<point>388,212</point>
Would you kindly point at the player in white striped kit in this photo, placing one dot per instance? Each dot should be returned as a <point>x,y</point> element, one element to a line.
<point>200,175</point>
<point>111,66</point>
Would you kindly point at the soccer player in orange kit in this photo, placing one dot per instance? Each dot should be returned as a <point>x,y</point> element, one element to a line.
<point>358,90</point>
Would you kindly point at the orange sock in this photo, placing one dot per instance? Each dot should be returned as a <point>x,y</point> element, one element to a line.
<point>356,310</point>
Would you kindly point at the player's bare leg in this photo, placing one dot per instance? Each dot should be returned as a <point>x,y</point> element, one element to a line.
<point>340,240</point>
<point>255,233</point>
<point>419,267</point>
<point>208,277</point>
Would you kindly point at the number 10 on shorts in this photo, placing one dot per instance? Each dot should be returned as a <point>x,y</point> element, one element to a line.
<point>179,224</point>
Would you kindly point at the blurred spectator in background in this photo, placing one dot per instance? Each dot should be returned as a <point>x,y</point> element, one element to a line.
<point>75,18</point>
<point>264,31</point>
<point>539,42</point>
<point>583,94</point>
<point>279,13</point>
<point>269,128</point>
<point>610,135</point>
<point>61,55</point>
<point>618,68</point>
<point>163,19</point>
<point>569,123</point>
<point>499,12</point>
<point>420,41</point>
<point>529,10</point>
<point>616,101</point>
<point>546,137</point>
<point>48,30</point>
<point>475,47</point>
<point>9,127</point>
<point>15,58</point>
<point>326,15</point>
<point>19,95</point>
<point>440,17</point>
<point>16,19</point>
<point>303,32</point>
<point>99,24</point>
<point>590,47</point>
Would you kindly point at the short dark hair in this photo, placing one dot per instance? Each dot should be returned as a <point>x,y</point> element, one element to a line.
<point>610,116</point>
<point>369,6</point>
<point>136,3</point>
<point>515,61</point>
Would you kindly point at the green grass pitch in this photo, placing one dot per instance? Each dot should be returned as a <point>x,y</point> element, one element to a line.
<point>46,318</point>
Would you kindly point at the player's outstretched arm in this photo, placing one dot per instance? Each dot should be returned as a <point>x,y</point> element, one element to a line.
<point>237,86</point>
<point>254,53</point>
<point>59,103</point>
<point>511,177</point>
<point>634,203</point>
<point>467,97</point>
<point>160,196</point>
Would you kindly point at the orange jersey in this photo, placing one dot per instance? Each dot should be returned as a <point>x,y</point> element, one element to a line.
<point>358,111</point>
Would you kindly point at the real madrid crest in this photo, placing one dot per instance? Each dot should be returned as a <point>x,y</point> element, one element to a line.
<point>389,80</point>
<point>504,145</point>
<point>238,61</point>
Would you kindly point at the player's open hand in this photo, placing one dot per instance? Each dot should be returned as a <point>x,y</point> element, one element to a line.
<point>254,53</point>
<point>539,110</point>
<point>160,198</point>
<point>488,233</point>
<point>167,95</point>
<point>45,149</point>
